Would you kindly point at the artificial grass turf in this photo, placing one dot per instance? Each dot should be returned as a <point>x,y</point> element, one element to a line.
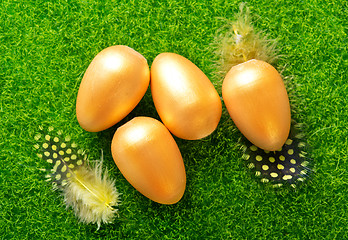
<point>45,49</point>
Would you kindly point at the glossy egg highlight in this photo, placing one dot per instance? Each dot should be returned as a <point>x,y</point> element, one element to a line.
<point>148,157</point>
<point>113,84</point>
<point>185,99</point>
<point>256,99</point>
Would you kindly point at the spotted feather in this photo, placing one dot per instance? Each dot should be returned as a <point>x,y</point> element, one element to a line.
<point>288,165</point>
<point>63,155</point>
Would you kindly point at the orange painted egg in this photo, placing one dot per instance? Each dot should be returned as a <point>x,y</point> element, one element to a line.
<point>148,157</point>
<point>114,83</point>
<point>257,101</point>
<point>185,99</point>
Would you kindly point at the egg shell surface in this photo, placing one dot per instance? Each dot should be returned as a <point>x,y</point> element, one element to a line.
<point>148,157</point>
<point>185,99</point>
<point>257,101</point>
<point>112,86</point>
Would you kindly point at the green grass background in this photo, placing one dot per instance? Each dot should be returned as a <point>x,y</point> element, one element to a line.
<point>45,47</point>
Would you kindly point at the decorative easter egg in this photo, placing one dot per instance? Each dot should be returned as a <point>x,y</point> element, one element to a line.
<point>257,101</point>
<point>113,84</point>
<point>185,99</point>
<point>148,157</point>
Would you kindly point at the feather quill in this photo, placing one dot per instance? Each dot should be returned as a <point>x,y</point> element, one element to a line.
<point>86,188</point>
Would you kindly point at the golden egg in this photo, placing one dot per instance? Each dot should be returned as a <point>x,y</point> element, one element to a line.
<point>185,99</point>
<point>148,157</point>
<point>114,83</point>
<point>257,101</point>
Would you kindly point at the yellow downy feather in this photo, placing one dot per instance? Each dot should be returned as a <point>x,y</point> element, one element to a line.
<point>91,195</point>
<point>237,42</point>
<point>87,189</point>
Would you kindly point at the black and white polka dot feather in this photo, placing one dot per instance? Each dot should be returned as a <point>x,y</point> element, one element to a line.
<point>287,165</point>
